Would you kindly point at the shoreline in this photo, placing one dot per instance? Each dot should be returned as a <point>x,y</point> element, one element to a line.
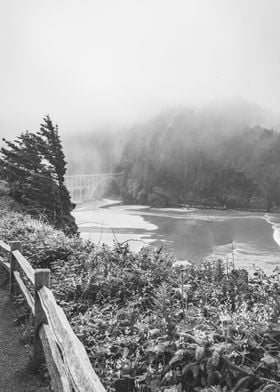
<point>272,219</point>
<point>104,203</point>
<point>275,228</point>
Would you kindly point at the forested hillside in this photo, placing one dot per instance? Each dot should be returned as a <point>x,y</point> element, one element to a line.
<point>202,158</point>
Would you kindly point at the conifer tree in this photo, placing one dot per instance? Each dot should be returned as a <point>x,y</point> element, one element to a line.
<point>34,166</point>
<point>50,147</point>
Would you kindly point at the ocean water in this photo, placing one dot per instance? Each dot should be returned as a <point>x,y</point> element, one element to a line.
<point>190,233</point>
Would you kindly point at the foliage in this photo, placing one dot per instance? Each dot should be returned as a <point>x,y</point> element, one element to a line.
<point>150,326</point>
<point>34,167</point>
<point>187,158</point>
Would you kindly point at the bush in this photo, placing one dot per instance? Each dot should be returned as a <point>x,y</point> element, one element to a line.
<point>148,326</point>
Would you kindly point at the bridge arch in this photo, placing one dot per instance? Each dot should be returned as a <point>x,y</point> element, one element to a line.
<point>85,193</point>
<point>76,194</point>
<point>83,187</point>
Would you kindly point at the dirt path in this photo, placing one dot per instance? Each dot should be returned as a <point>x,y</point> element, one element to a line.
<point>15,355</point>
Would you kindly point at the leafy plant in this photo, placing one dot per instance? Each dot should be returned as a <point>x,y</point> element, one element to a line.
<point>127,310</point>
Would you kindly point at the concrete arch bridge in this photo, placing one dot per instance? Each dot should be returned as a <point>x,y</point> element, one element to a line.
<point>82,187</point>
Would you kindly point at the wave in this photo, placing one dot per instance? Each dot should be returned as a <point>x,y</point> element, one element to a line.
<point>115,221</point>
<point>128,207</point>
<point>245,256</point>
<point>276,234</point>
<point>275,228</point>
<point>191,215</point>
<point>180,210</point>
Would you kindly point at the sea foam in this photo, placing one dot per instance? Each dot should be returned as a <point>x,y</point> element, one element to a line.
<point>275,228</point>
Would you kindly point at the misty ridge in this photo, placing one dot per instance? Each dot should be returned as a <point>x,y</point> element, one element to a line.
<point>224,155</point>
<point>101,149</point>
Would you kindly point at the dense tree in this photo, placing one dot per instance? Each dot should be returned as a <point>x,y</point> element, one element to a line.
<point>188,159</point>
<point>50,147</point>
<point>34,166</point>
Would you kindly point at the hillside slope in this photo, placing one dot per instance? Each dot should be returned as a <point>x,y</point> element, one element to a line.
<point>198,158</point>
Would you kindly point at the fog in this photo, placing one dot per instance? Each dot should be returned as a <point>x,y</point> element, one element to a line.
<point>109,64</point>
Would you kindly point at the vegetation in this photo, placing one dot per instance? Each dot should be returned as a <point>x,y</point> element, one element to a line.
<point>149,325</point>
<point>34,167</point>
<point>202,159</point>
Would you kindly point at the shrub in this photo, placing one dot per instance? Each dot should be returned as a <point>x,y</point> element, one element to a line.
<point>150,327</point>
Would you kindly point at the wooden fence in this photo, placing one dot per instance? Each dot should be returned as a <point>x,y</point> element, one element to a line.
<point>67,361</point>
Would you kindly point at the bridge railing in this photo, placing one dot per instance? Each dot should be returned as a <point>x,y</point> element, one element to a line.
<point>67,361</point>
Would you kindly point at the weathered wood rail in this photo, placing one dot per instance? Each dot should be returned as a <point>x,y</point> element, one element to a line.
<point>67,361</point>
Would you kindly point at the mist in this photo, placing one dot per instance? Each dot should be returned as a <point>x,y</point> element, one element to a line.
<point>110,64</point>
<point>102,150</point>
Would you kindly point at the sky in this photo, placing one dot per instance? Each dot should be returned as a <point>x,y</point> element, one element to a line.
<point>99,63</point>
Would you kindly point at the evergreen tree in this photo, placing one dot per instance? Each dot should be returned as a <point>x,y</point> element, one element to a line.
<point>19,162</point>
<point>34,166</point>
<point>50,147</point>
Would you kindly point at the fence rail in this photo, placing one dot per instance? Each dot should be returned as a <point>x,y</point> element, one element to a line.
<point>67,361</point>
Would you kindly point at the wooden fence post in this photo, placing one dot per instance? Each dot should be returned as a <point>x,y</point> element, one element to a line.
<point>15,245</point>
<point>42,278</point>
